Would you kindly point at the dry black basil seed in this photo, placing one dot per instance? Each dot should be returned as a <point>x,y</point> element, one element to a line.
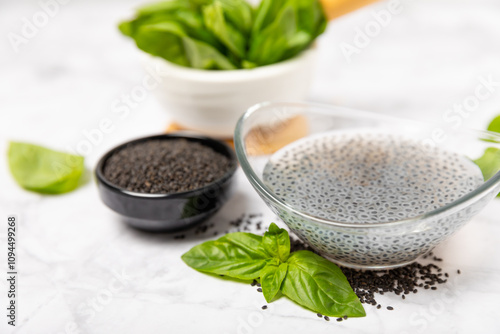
<point>264,307</point>
<point>165,166</point>
<point>390,308</point>
<point>259,289</point>
<point>339,319</point>
<point>327,318</point>
<point>319,315</point>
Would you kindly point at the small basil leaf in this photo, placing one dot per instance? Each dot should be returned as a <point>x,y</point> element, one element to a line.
<point>277,242</point>
<point>213,16</point>
<point>320,285</point>
<point>271,278</point>
<point>43,170</point>
<point>237,255</point>
<point>163,40</point>
<point>239,13</point>
<point>489,163</point>
<point>495,125</point>
<point>269,45</point>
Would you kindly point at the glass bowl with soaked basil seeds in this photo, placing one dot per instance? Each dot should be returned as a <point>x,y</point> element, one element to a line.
<point>365,190</point>
<point>166,182</point>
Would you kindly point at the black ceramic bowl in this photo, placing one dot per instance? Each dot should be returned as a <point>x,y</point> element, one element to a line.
<point>168,212</point>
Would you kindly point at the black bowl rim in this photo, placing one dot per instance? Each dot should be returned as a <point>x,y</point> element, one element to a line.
<point>194,192</point>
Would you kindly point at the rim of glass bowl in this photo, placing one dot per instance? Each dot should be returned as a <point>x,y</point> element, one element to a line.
<point>323,109</point>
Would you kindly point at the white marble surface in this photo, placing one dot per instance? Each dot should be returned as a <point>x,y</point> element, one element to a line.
<point>66,79</point>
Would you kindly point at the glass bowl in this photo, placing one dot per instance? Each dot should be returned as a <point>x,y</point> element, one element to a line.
<point>273,127</point>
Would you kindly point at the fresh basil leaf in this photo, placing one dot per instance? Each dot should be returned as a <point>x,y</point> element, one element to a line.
<point>213,16</point>
<point>169,40</point>
<point>271,44</point>
<point>239,13</point>
<point>320,285</point>
<point>489,163</point>
<point>162,7</point>
<point>277,242</point>
<point>226,34</point>
<point>266,13</point>
<point>271,278</point>
<point>495,125</point>
<point>203,56</point>
<point>43,170</point>
<point>238,255</point>
<point>163,40</point>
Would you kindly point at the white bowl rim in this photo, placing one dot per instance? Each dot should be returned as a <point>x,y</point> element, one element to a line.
<point>261,188</point>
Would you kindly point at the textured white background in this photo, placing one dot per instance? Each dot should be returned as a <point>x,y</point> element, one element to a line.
<point>64,81</point>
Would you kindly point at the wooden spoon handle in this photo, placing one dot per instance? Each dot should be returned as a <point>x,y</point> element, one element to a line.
<point>336,8</point>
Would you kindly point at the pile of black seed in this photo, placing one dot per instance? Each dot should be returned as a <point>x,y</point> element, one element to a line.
<point>165,166</point>
<point>401,281</point>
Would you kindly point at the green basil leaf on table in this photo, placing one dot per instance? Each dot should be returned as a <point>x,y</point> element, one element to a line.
<point>320,285</point>
<point>238,255</point>
<point>271,278</point>
<point>495,125</point>
<point>44,170</point>
<point>489,163</point>
<point>277,242</point>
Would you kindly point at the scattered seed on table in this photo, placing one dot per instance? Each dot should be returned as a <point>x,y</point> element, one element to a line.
<point>379,306</point>
<point>345,317</point>
<point>327,318</point>
<point>339,319</point>
<point>433,288</point>
<point>390,308</point>
<point>264,307</point>
<point>259,289</point>
<point>319,315</point>
<point>459,272</point>
<point>403,296</point>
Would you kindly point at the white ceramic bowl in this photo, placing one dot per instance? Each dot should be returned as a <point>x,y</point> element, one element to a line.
<point>212,101</point>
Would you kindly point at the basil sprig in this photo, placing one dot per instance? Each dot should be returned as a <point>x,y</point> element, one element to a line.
<point>302,276</point>
<point>489,162</point>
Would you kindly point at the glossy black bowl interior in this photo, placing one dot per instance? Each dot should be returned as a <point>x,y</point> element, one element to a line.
<point>168,212</point>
